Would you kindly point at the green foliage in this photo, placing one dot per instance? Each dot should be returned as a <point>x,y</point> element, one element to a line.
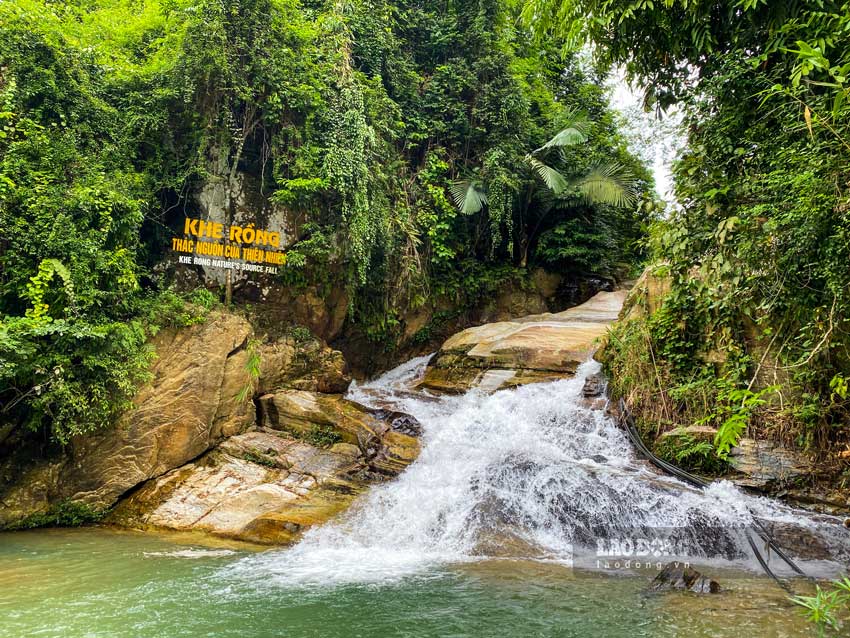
<point>662,42</point>
<point>575,244</point>
<point>756,255</point>
<point>252,367</point>
<point>203,298</point>
<point>64,514</point>
<point>691,454</point>
<point>828,609</point>
<point>355,117</point>
<point>167,309</point>
<point>348,174</point>
<point>604,184</point>
<point>309,260</point>
<point>300,334</point>
<point>323,436</point>
<point>734,410</point>
<point>260,458</point>
<point>435,328</point>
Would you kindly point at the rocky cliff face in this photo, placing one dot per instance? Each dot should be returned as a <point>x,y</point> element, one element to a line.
<point>220,444</point>
<point>190,404</point>
<point>192,454</point>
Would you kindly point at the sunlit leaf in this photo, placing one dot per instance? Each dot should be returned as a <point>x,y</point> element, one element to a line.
<point>611,184</point>
<point>553,179</point>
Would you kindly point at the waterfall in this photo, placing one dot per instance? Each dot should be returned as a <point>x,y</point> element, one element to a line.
<point>532,473</point>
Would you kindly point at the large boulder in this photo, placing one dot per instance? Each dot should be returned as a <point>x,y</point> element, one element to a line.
<point>270,485</point>
<point>303,363</point>
<point>312,453</point>
<point>262,486</point>
<point>534,348</point>
<point>385,440</point>
<point>769,465</point>
<point>193,401</point>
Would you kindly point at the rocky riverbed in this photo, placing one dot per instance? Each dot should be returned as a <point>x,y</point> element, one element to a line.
<point>261,441</point>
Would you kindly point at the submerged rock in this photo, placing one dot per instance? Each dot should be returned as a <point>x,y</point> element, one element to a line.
<point>399,421</point>
<point>594,386</point>
<point>535,348</point>
<point>593,395</point>
<point>679,576</point>
<point>802,542</point>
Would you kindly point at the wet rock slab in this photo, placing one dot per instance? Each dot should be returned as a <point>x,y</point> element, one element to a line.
<point>531,349</point>
<point>766,465</point>
<point>263,486</point>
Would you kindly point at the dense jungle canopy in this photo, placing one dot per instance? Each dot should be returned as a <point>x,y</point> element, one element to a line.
<point>374,120</point>
<point>754,331</point>
<point>437,149</point>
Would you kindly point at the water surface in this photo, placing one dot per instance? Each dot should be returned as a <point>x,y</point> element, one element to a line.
<point>99,583</point>
<point>486,534</point>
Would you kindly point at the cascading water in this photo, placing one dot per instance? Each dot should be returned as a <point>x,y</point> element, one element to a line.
<point>533,473</point>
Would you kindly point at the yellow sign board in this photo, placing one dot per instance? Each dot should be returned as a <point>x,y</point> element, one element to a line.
<point>234,247</point>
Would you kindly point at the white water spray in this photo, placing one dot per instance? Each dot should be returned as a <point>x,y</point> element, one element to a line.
<point>526,473</point>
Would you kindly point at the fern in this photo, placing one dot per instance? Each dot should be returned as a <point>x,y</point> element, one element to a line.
<point>729,433</point>
<point>740,405</point>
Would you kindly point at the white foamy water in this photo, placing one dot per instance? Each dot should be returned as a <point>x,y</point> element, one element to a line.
<point>529,473</point>
<point>191,553</point>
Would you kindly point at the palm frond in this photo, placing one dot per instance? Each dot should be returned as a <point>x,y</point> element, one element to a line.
<point>575,131</point>
<point>612,184</point>
<point>469,196</point>
<point>569,136</point>
<point>553,179</point>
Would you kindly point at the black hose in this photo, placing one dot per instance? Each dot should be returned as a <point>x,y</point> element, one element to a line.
<point>757,526</point>
<point>764,564</point>
<point>765,536</point>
